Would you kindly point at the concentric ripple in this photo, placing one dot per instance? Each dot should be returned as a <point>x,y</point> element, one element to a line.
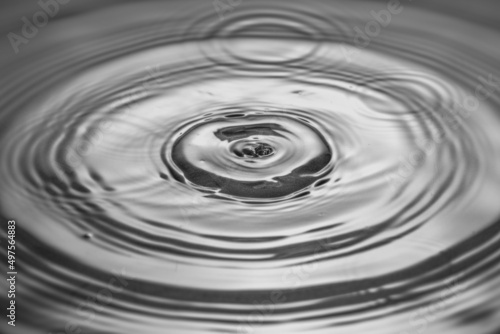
<point>173,172</point>
<point>262,155</point>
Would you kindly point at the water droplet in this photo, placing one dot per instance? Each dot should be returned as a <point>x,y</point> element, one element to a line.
<point>88,236</point>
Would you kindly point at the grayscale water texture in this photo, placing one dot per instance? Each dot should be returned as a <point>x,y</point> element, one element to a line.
<point>242,166</point>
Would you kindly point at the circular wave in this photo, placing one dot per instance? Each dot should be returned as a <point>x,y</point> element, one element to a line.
<point>171,171</point>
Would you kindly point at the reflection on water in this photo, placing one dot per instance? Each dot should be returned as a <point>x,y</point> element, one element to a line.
<point>182,167</point>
